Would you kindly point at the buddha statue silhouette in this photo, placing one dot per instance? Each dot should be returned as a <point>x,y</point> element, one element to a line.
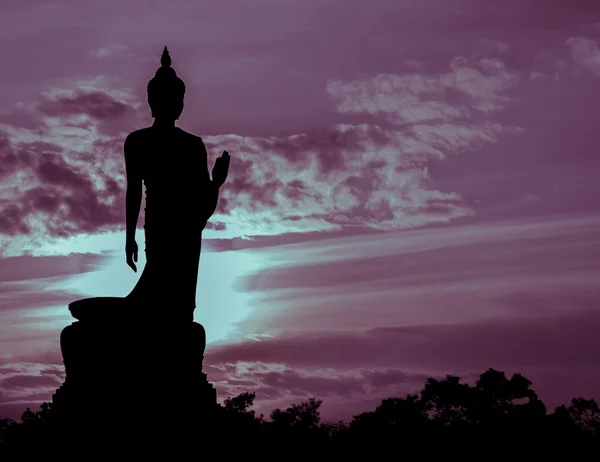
<point>111,351</point>
<point>180,198</point>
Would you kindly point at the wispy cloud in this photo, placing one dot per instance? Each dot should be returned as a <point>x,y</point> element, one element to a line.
<point>66,176</point>
<point>585,52</point>
<point>470,85</point>
<point>109,51</point>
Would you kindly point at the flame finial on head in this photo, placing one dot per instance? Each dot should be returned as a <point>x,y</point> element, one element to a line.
<point>165,59</point>
<point>165,74</point>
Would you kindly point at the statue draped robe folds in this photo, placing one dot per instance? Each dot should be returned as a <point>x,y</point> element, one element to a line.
<point>179,199</point>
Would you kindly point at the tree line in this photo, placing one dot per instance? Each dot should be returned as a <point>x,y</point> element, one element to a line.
<point>447,415</point>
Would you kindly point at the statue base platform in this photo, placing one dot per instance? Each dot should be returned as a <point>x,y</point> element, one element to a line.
<point>127,375</point>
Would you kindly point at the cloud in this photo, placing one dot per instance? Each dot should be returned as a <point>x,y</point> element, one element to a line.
<point>554,342</point>
<point>27,295</point>
<point>109,51</point>
<point>585,52</point>
<point>58,194</point>
<point>66,177</point>
<point>97,104</point>
<point>471,85</point>
<point>348,175</point>
<point>373,175</point>
<point>491,46</point>
<point>29,282</point>
<point>30,381</point>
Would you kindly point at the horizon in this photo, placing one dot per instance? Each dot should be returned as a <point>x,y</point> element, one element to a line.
<point>412,193</point>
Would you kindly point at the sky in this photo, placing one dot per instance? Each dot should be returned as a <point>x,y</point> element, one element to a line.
<point>413,189</point>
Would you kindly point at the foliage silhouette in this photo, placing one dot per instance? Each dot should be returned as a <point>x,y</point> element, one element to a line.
<point>503,413</point>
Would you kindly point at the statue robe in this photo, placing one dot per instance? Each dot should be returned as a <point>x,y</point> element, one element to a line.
<point>179,199</point>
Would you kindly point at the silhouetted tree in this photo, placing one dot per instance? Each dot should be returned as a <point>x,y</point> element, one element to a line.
<point>585,415</point>
<point>503,402</point>
<point>240,403</point>
<point>448,402</point>
<point>395,420</point>
<point>303,416</point>
<point>240,421</point>
<point>299,426</point>
<point>560,423</point>
<point>502,412</point>
<point>39,418</point>
<point>5,426</point>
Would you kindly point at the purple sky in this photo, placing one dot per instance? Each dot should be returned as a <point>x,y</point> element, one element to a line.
<point>413,190</point>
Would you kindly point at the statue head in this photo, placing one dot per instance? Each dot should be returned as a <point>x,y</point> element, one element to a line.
<point>166,91</point>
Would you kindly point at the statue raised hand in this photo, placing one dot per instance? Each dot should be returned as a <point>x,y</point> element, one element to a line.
<point>221,169</point>
<point>219,175</point>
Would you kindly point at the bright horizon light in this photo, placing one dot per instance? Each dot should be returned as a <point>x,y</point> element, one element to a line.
<point>219,306</point>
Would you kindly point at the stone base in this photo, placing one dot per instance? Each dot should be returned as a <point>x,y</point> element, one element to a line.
<point>131,377</point>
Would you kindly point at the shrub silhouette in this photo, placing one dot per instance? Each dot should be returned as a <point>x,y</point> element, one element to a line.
<point>499,411</point>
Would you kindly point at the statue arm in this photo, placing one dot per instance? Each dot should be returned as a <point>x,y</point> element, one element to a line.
<point>133,196</point>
